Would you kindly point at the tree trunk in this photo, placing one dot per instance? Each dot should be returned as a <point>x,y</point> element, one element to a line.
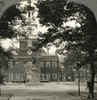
<point>92,80</point>
<point>91,87</point>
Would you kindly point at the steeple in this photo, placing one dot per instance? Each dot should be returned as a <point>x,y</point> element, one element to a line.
<point>30,29</point>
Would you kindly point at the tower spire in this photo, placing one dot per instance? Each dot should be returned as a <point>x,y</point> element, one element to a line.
<point>29,2</point>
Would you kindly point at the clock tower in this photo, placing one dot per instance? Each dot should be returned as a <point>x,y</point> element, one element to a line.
<point>31,32</point>
<point>27,51</point>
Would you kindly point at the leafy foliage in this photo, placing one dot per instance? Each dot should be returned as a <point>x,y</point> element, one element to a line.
<point>11,25</point>
<point>66,12</point>
<point>5,56</point>
<point>53,9</point>
<point>82,36</point>
<point>7,32</point>
<point>6,18</point>
<point>76,58</point>
<point>1,78</point>
<point>13,20</point>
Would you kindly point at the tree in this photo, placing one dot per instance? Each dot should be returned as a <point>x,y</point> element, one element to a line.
<point>12,22</point>
<point>5,57</point>
<point>7,17</point>
<point>11,26</point>
<point>8,21</point>
<point>82,35</point>
<point>13,19</point>
<point>7,32</point>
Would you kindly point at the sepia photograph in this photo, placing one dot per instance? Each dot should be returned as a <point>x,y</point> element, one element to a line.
<point>48,49</point>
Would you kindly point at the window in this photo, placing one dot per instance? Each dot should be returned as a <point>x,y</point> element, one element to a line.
<point>1,3</point>
<point>10,76</point>
<point>45,76</point>
<point>16,64</point>
<point>54,64</point>
<point>42,64</point>
<point>34,43</point>
<point>11,64</point>
<point>17,76</point>
<point>54,75</point>
<point>29,14</point>
<point>23,44</point>
<point>42,76</point>
<point>21,76</point>
<point>48,75</point>
<point>48,64</point>
<point>29,43</point>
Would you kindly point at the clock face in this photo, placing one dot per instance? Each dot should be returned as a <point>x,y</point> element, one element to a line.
<point>31,29</point>
<point>29,52</point>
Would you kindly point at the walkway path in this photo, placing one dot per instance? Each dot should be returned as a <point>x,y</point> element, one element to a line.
<point>48,91</point>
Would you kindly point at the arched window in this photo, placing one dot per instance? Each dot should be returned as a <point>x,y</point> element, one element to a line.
<point>54,75</point>
<point>42,76</point>
<point>42,64</point>
<point>54,64</point>
<point>29,14</point>
<point>10,75</point>
<point>48,75</point>
<point>10,64</point>
<point>16,64</point>
<point>48,64</point>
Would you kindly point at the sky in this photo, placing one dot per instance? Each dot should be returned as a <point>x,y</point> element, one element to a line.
<point>9,43</point>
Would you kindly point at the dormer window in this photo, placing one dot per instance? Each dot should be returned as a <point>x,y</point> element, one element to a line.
<point>29,14</point>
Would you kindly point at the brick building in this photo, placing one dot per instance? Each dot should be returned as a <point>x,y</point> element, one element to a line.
<point>49,68</point>
<point>20,67</point>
